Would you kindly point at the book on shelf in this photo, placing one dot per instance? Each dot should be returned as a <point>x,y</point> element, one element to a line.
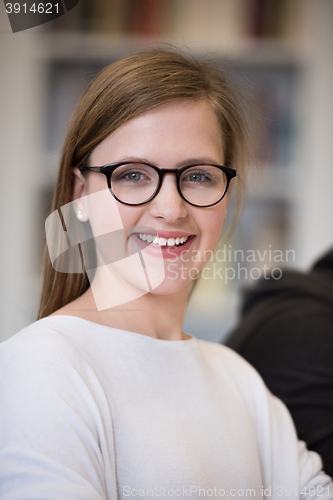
<point>199,20</point>
<point>277,18</point>
<point>187,20</point>
<point>269,92</point>
<point>146,17</point>
<point>110,16</point>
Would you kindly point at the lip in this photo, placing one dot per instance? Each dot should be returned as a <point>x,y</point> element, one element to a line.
<point>165,234</point>
<point>167,252</point>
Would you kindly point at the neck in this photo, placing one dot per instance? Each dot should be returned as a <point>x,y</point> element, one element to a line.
<point>157,316</point>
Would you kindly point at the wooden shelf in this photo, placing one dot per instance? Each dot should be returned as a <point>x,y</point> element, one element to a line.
<point>245,51</point>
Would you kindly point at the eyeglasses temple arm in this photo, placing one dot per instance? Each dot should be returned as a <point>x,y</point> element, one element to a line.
<point>92,169</point>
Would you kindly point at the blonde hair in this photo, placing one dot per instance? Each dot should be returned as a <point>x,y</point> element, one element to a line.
<point>120,92</point>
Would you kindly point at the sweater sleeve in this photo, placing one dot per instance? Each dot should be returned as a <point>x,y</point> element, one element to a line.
<point>295,472</point>
<point>289,469</point>
<point>293,350</point>
<point>50,422</point>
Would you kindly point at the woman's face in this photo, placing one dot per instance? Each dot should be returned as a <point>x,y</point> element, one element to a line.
<point>170,136</point>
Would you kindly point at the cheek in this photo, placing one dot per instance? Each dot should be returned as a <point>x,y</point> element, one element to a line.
<point>211,225</point>
<point>130,216</point>
<point>105,212</point>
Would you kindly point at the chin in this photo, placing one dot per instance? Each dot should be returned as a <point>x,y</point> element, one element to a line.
<point>172,286</point>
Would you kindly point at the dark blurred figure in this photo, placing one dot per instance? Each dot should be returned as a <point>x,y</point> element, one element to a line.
<point>286,333</point>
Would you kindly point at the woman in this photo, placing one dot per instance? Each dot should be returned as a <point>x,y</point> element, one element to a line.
<point>105,397</point>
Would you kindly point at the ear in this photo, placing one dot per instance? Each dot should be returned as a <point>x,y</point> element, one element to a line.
<point>79,193</point>
<point>79,184</point>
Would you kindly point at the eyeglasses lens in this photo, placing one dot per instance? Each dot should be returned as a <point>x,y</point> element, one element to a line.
<point>203,185</point>
<point>136,183</point>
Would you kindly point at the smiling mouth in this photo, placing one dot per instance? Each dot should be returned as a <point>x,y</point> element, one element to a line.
<point>163,242</point>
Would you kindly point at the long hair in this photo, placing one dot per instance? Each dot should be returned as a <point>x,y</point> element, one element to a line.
<point>120,92</point>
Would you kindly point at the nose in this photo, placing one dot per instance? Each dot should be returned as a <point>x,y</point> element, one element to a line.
<point>168,204</point>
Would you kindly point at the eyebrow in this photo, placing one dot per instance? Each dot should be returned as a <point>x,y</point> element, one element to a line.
<point>189,161</point>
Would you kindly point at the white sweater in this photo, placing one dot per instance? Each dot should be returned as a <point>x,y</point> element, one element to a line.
<point>88,412</point>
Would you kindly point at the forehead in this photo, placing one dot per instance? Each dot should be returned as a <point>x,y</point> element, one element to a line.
<point>165,135</point>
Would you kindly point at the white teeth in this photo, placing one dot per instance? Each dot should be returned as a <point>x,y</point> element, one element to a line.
<point>163,242</point>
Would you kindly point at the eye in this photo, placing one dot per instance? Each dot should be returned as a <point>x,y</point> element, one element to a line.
<point>135,176</point>
<point>132,174</point>
<point>197,176</point>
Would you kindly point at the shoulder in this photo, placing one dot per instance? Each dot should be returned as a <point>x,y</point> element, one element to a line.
<point>232,371</point>
<point>50,409</point>
<point>43,366</point>
<point>39,336</point>
<point>42,349</point>
<point>220,355</point>
<point>228,366</point>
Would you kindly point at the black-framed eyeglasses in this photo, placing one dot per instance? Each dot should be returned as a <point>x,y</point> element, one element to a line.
<point>135,183</point>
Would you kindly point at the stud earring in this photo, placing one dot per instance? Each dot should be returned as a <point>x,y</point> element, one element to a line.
<point>79,214</point>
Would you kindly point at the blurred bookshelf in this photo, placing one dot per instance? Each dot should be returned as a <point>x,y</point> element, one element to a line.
<point>265,45</point>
